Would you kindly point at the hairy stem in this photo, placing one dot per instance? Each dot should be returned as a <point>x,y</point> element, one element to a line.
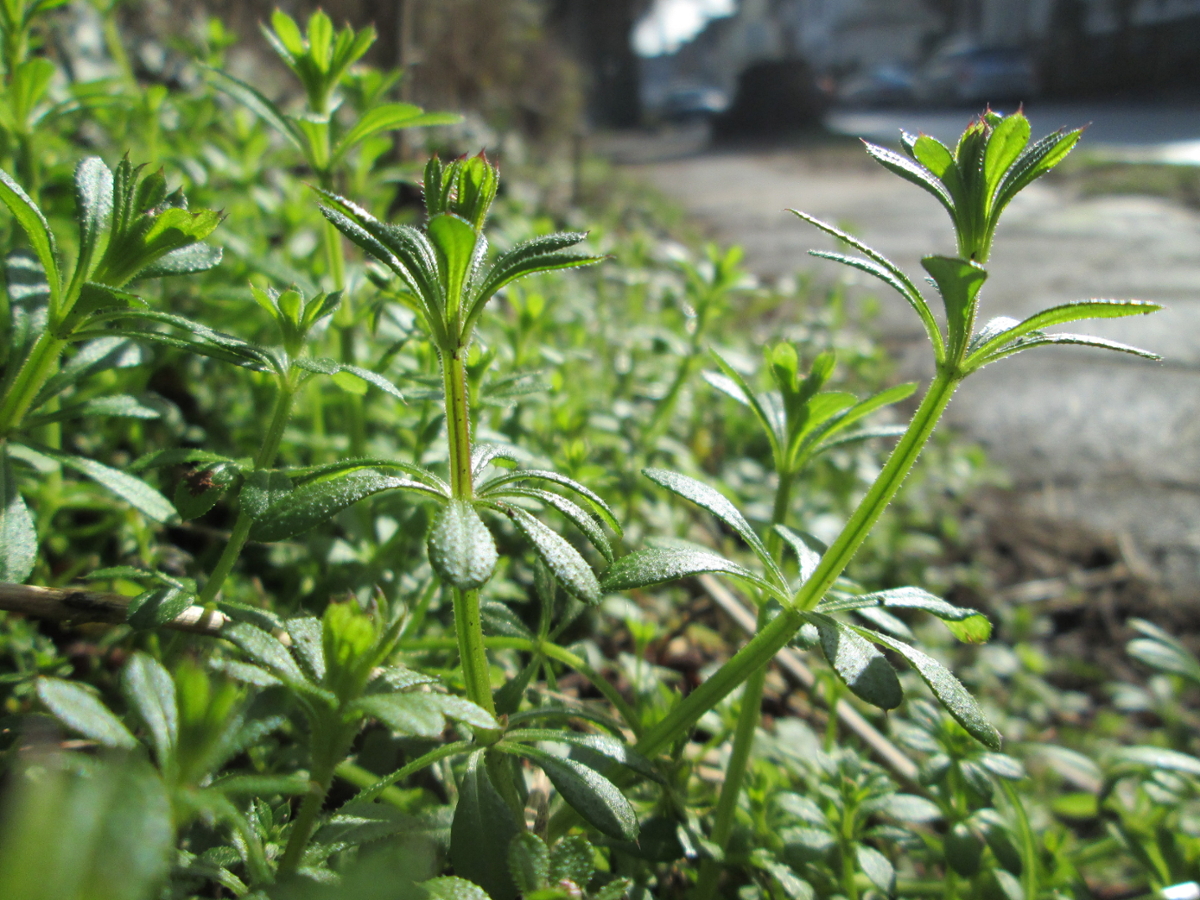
<point>33,374</point>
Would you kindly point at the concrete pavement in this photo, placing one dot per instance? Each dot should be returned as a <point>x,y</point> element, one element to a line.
<point>1103,438</point>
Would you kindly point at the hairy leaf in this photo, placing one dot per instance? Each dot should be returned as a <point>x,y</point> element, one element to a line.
<point>568,567</point>
<point>461,548</point>
<point>79,710</point>
<point>18,536</point>
<point>150,692</point>
<point>863,668</point>
<point>658,565</point>
<point>589,793</point>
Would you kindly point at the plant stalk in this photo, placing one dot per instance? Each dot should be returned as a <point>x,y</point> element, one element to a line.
<point>33,374</point>
<point>776,634</point>
<point>241,527</point>
<point>748,717</point>
<point>337,740</point>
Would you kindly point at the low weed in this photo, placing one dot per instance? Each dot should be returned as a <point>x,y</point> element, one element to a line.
<point>358,544</point>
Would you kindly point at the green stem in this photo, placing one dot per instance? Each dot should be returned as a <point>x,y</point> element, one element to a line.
<point>33,374</point>
<point>748,717</point>
<point>458,423</point>
<point>468,625</point>
<point>336,742</point>
<point>241,527</point>
<point>772,638</point>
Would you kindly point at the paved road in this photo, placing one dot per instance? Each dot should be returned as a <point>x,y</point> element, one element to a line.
<point>1099,437</point>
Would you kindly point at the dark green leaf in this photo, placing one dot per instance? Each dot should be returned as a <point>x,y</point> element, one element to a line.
<point>317,502</point>
<point>572,859</point>
<point>958,702</point>
<point>602,744</point>
<point>589,793</point>
<point>481,833</point>
<point>264,488</point>
<point>150,692</point>
<point>1036,160</point>
<point>808,558</point>
<point>863,668</point>
<point>717,504</point>
<point>78,709</point>
<point>568,567</point>
<point>461,548</point>
<point>659,565</point>
<point>157,606</point>
<point>18,536</point>
<point>540,254</point>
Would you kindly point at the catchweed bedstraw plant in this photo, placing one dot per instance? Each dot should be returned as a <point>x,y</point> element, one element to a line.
<point>991,163</point>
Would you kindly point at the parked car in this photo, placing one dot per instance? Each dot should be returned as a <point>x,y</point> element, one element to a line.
<point>691,104</point>
<point>972,74</point>
<point>891,84</point>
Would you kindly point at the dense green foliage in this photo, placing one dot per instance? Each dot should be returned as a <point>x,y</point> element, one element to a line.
<point>401,526</point>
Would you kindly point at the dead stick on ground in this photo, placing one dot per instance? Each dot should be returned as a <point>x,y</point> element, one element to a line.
<point>791,663</point>
<point>77,605</point>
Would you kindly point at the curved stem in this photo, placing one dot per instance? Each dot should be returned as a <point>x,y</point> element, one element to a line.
<point>775,635</point>
<point>39,365</point>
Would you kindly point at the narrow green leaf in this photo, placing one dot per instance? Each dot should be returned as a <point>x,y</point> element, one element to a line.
<point>589,793</point>
<point>601,744</point>
<point>579,517</point>
<point>1057,315</point>
<point>965,624</point>
<point>958,702</point>
<point>1007,141</point>
<point>863,668</point>
<point>564,562</point>
<point>770,424</point>
<point>133,490</point>
<point>481,832</point>
<point>808,558</point>
<point>18,536</point>
<point>390,117</point>
<point>1041,339</point>
<point>184,261</point>
<point>311,504</point>
<point>305,632</point>
<point>541,254</point>
<point>265,649</point>
<point>150,692</point>
<point>157,606</point>
<point>603,510</point>
<point>461,548</point>
<point>454,241</point>
<point>78,709</point>
<point>1157,759</point>
<point>94,203</point>
<point>877,867</point>
<point>257,103</point>
<point>1036,160</point>
<point>716,503</point>
<point>912,171</point>
<point>659,565</point>
<point>34,224</point>
<point>958,281</point>
<point>406,714</point>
